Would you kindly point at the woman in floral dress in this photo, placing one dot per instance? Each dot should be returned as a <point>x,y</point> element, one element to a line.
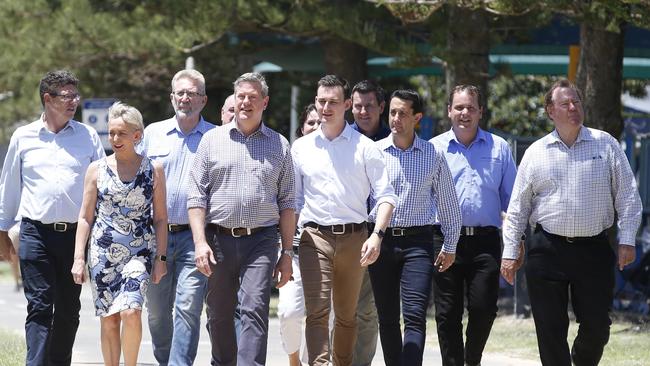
<point>127,245</point>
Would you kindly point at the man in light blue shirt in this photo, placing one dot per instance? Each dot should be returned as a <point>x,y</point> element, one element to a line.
<point>42,182</point>
<point>173,142</point>
<point>484,172</point>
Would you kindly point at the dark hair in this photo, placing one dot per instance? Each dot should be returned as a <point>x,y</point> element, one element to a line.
<point>369,86</point>
<point>562,83</point>
<point>54,80</point>
<point>474,90</point>
<point>303,117</point>
<point>330,81</point>
<point>411,95</point>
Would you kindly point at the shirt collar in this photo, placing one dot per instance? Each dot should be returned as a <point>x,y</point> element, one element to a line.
<point>387,142</point>
<point>481,135</point>
<point>583,135</point>
<point>346,133</point>
<point>201,127</point>
<point>263,129</point>
<point>68,125</point>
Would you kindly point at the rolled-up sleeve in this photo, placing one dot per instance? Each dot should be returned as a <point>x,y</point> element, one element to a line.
<point>198,182</point>
<point>376,171</point>
<point>286,182</point>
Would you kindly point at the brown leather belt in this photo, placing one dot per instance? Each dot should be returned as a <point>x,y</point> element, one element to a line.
<point>235,232</point>
<point>338,229</point>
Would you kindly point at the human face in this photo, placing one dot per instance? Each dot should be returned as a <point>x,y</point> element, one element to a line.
<point>249,102</point>
<point>366,110</point>
<point>63,103</point>
<point>122,136</point>
<point>331,104</point>
<point>465,113</point>
<point>228,110</point>
<point>311,123</point>
<point>566,110</point>
<point>187,98</point>
<point>401,119</point>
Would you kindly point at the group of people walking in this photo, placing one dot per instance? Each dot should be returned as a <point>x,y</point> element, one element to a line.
<point>356,224</point>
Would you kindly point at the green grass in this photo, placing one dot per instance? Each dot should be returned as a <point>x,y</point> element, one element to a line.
<point>629,343</point>
<point>12,349</point>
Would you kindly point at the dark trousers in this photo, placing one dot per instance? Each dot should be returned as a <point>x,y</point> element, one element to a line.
<point>402,273</point>
<point>244,265</point>
<point>584,271</point>
<point>474,274</point>
<point>53,304</point>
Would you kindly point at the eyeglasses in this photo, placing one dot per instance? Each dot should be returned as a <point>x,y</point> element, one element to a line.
<point>190,94</point>
<point>67,97</point>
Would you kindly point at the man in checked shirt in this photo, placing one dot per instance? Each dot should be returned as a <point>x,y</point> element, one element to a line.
<point>570,185</point>
<point>402,274</point>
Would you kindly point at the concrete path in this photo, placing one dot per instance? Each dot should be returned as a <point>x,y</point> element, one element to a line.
<point>87,346</point>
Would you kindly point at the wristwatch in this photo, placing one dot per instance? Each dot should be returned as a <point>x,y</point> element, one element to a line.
<point>288,252</point>
<point>380,233</point>
<point>161,257</point>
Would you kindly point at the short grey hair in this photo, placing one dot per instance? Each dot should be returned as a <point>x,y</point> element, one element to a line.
<point>130,115</point>
<point>193,75</point>
<point>253,77</point>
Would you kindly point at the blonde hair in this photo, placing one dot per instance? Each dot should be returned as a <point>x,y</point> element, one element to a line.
<point>130,115</point>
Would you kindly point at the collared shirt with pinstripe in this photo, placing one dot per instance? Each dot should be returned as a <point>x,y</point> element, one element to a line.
<point>424,187</point>
<point>242,181</point>
<point>573,191</point>
<point>166,143</point>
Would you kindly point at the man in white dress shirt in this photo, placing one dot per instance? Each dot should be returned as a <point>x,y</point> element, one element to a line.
<point>570,185</point>
<point>336,167</point>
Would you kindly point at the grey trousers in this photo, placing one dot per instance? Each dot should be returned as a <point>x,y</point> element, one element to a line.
<point>246,263</point>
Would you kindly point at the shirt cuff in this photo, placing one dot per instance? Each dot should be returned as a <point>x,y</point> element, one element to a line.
<point>510,251</point>
<point>627,238</point>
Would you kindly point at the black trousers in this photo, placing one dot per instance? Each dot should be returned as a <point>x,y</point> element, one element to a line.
<point>474,274</point>
<point>582,270</point>
<point>53,304</point>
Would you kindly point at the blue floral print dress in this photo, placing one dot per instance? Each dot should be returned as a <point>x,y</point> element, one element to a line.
<point>122,244</point>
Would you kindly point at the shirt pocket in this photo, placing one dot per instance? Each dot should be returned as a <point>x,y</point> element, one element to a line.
<point>158,151</point>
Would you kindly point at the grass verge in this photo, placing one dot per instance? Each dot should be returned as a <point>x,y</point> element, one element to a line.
<point>12,349</point>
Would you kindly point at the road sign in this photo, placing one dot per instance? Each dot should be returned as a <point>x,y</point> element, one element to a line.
<point>94,113</point>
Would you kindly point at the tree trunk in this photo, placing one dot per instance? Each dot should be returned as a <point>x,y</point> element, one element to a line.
<point>468,47</point>
<point>345,59</point>
<point>600,77</point>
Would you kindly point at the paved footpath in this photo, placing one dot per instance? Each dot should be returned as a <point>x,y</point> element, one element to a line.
<point>87,349</point>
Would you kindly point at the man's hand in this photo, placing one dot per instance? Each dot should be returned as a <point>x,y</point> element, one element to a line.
<point>370,250</point>
<point>6,247</point>
<point>159,271</point>
<point>508,270</point>
<point>626,255</point>
<point>78,271</point>
<point>203,257</point>
<point>284,269</point>
<point>444,261</point>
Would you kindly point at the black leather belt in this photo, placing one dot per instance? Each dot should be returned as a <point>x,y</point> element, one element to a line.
<point>477,230</point>
<point>338,229</point>
<point>573,239</point>
<point>235,232</point>
<point>60,227</point>
<point>408,231</point>
<point>174,228</point>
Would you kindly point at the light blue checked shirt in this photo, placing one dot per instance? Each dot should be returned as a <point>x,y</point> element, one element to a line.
<point>573,191</point>
<point>484,173</point>
<point>165,143</point>
<point>424,187</point>
<point>242,181</point>
<point>43,173</point>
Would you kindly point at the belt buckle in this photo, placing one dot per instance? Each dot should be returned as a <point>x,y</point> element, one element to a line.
<point>338,232</point>
<point>170,227</point>
<point>469,230</point>
<point>60,227</point>
<point>397,231</point>
<point>570,240</point>
<point>232,232</point>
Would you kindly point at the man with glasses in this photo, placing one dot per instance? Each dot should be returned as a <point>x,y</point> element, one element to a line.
<point>571,185</point>
<point>241,188</point>
<point>42,182</point>
<point>173,142</point>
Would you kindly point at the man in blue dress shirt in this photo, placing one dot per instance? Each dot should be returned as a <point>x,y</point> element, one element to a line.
<point>42,182</point>
<point>173,142</point>
<point>484,172</point>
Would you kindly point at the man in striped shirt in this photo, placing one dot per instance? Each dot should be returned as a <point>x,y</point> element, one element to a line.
<point>402,274</point>
<point>570,185</point>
